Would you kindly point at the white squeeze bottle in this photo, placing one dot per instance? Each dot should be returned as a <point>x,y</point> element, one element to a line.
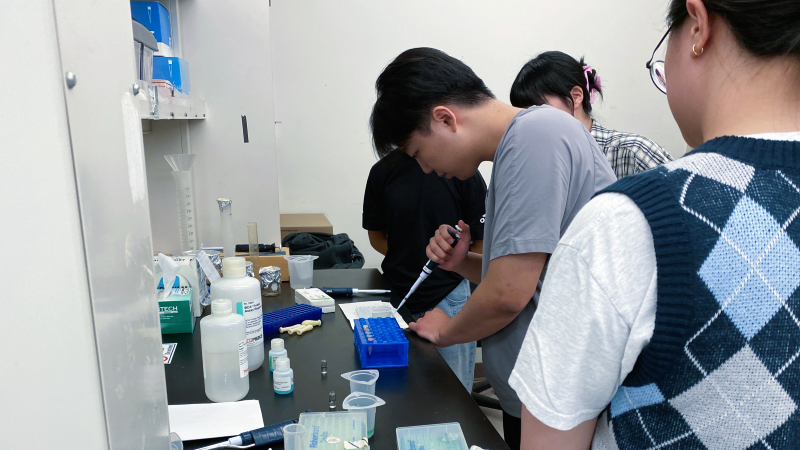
<point>276,351</point>
<point>224,342</point>
<point>283,377</point>
<point>245,295</point>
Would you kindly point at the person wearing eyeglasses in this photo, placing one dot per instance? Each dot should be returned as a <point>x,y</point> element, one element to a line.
<point>671,307</point>
<point>557,79</point>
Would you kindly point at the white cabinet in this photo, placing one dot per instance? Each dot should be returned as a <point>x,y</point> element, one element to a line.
<point>80,186</point>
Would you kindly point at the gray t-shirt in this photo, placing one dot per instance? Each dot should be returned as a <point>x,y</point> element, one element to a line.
<point>547,166</point>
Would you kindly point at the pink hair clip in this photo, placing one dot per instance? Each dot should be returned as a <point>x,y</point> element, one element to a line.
<point>587,69</point>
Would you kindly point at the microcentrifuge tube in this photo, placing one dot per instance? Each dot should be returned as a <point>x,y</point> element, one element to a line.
<point>332,400</point>
<point>324,367</point>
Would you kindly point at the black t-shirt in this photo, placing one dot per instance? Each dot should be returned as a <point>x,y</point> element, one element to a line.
<point>410,205</point>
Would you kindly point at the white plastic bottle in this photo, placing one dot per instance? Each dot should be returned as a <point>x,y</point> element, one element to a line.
<point>224,342</point>
<point>283,377</point>
<point>277,350</point>
<point>245,295</point>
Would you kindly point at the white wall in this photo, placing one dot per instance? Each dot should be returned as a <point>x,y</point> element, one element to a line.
<point>327,56</point>
<point>49,379</point>
<point>223,43</point>
<point>229,70</point>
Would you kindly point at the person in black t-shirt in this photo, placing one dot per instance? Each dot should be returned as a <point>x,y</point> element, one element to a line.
<point>403,207</point>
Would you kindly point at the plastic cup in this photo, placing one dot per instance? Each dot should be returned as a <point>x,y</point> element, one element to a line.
<point>362,380</point>
<point>359,401</point>
<point>294,437</point>
<point>175,442</point>
<point>301,270</point>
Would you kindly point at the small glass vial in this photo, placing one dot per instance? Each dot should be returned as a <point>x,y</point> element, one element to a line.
<point>324,367</point>
<point>270,277</point>
<point>332,401</point>
<point>283,377</point>
<point>277,350</point>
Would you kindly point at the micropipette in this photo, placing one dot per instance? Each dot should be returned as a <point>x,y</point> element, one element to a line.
<point>428,267</point>
<point>268,435</point>
<point>350,291</point>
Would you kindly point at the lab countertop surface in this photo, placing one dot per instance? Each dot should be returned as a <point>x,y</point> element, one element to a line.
<point>426,392</point>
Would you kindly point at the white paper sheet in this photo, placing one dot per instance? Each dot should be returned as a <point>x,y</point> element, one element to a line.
<point>350,311</point>
<point>214,420</point>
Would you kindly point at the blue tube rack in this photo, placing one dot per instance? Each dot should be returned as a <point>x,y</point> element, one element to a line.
<point>380,343</point>
<point>287,317</point>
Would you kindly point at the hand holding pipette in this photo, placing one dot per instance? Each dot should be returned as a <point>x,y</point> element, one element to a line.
<point>430,265</point>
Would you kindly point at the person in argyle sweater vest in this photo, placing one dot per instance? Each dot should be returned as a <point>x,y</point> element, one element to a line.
<point>722,368</point>
<point>670,315</point>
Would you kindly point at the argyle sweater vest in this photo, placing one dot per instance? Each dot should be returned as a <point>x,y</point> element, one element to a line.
<point>722,369</point>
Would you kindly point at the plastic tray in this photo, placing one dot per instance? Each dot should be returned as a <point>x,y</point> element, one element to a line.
<point>443,436</point>
<point>330,430</point>
<point>287,317</point>
<point>380,343</point>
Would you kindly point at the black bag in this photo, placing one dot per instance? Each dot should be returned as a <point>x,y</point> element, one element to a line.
<point>335,251</point>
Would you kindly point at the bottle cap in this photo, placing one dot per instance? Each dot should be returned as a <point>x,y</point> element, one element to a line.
<point>282,363</point>
<point>221,306</point>
<point>234,266</point>
<point>276,344</point>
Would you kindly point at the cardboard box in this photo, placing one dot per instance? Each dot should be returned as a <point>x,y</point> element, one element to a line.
<point>304,223</point>
<point>266,259</point>
<point>175,313</point>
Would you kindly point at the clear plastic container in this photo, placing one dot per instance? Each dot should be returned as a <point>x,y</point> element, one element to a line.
<point>330,430</point>
<point>301,270</point>
<point>359,401</point>
<point>362,380</point>
<point>294,437</point>
<point>224,342</point>
<point>245,295</point>
<point>381,311</point>
<point>175,442</point>
<point>443,436</point>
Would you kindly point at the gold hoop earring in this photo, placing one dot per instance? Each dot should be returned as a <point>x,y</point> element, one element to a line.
<point>695,51</point>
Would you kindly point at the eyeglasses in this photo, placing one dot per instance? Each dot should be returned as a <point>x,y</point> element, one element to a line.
<point>657,73</point>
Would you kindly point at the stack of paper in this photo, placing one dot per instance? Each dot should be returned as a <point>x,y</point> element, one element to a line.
<point>358,310</point>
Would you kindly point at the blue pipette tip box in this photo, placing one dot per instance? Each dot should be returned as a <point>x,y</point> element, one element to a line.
<point>380,343</point>
<point>287,317</point>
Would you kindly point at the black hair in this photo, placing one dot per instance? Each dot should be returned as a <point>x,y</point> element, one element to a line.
<point>553,73</point>
<point>410,87</point>
<point>762,27</point>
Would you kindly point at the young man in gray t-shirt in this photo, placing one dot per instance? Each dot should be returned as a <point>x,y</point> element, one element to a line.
<point>546,167</point>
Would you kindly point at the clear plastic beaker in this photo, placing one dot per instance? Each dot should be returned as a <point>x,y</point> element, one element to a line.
<point>175,442</point>
<point>359,401</point>
<point>301,270</point>
<point>362,380</point>
<point>294,437</point>
<point>182,173</point>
